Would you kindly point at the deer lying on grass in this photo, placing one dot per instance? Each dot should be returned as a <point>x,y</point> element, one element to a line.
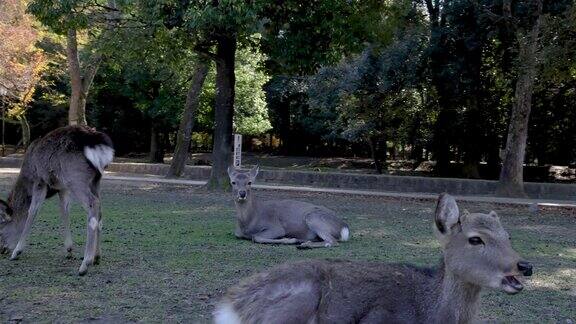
<point>283,221</point>
<point>477,254</point>
<point>68,161</point>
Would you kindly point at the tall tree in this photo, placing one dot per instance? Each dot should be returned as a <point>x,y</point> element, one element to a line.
<point>184,135</point>
<point>512,176</point>
<point>70,18</point>
<point>80,78</point>
<point>219,26</point>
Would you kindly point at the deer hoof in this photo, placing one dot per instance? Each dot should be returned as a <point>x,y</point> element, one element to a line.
<point>304,246</point>
<point>15,255</point>
<point>69,253</point>
<point>83,269</point>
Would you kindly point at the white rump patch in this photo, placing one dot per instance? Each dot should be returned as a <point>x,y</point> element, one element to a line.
<point>93,223</point>
<point>344,234</point>
<point>225,314</point>
<point>100,156</point>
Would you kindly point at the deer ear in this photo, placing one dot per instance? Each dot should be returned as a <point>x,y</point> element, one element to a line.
<point>447,215</point>
<point>231,172</point>
<point>254,171</point>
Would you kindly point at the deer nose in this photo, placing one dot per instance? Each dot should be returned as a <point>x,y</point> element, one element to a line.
<point>525,268</point>
<point>242,194</point>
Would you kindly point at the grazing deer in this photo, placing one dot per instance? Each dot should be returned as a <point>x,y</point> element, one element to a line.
<point>283,221</point>
<point>68,161</point>
<point>477,254</point>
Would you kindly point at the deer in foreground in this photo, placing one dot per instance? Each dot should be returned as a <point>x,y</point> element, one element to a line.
<point>282,221</point>
<point>477,254</point>
<point>68,161</point>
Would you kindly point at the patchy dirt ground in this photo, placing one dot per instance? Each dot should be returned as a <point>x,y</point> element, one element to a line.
<point>169,254</point>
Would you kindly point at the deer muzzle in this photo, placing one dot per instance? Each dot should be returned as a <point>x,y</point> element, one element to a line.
<point>525,268</point>
<point>242,194</point>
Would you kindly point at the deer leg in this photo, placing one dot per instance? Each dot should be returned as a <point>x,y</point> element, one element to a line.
<point>274,236</point>
<point>317,225</point>
<point>38,196</point>
<point>91,204</point>
<point>98,254</point>
<point>65,215</point>
<point>95,188</point>
<point>240,235</point>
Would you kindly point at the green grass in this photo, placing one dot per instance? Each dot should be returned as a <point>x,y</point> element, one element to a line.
<point>169,254</point>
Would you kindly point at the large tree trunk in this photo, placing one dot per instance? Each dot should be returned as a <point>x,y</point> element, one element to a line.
<point>156,146</point>
<point>75,78</point>
<point>511,182</point>
<point>378,151</point>
<point>187,122</point>
<point>79,82</point>
<point>375,156</point>
<point>224,112</point>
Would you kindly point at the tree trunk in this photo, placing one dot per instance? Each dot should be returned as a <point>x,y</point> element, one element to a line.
<point>441,142</point>
<point>224,112</point>
<point>375,156</point>
<point>79,83</point>
<point>156,147</point>
<point>75,78</point>
<point>187,122</point>
<point>378,150</point>
<point>511,182</point>
<point>25,131</point>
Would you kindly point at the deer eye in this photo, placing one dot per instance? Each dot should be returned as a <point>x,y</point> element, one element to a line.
<point>475,240</point>
<point>249,183</point>
<point>233,183</point>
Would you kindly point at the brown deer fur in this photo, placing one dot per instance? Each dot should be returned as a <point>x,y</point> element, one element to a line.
<point>68,161</point>
<point>477,254</point>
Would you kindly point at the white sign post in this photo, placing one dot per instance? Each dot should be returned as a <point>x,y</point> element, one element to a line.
<point>237,150</point>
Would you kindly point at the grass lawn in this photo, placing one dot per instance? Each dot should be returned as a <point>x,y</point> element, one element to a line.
<point>169,254</point>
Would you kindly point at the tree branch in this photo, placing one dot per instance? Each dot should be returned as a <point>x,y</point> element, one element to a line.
<point>203,51</point>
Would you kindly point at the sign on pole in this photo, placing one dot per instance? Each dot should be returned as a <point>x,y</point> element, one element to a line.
<point>237,150</point>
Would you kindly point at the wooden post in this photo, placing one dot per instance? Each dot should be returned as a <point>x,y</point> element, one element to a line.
<point>237,151</point>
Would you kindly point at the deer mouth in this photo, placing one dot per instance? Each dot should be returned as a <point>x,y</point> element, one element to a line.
<point>511,285</point>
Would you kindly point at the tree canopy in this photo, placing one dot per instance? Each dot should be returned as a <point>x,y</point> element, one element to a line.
<point>404,79</point>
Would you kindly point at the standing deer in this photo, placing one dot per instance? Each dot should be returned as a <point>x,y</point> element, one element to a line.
<point>283,221</point>
<point>68,161</point>
<point>477,254</point>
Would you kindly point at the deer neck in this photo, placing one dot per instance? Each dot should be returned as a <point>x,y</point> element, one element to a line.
<point>245,210</point>
<point>455,300</point>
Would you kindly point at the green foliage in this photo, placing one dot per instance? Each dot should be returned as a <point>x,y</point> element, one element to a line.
<point>373,93</point>
<point>250,109</point>
<point>61,15</point>
<point>223,17</point>
<point>335,73</point>
<point>301,36</point>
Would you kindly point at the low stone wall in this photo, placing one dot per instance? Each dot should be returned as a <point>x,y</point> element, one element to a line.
<point>353,181</point>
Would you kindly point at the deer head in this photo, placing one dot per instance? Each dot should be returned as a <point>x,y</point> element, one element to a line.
<point>5,218</point>
<point>241,182</point>
<point>477,249</point>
